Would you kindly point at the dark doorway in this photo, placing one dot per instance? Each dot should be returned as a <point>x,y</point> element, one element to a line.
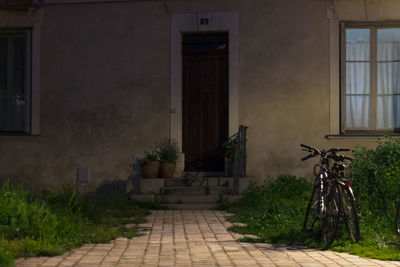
<point>205,100</point>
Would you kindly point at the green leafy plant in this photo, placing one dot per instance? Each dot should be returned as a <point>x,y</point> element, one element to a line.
<point>376,175</point>
<point>274,210</point>
<point>229,147</point>
<point>168,150</point>
<point>150,156</point>
<point>60,220</point>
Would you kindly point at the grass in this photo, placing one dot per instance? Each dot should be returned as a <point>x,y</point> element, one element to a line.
<point>61,220</point>
<point>275,210</point>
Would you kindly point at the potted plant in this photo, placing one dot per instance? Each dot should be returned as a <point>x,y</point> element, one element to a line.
<point>167,152</point>
<point>150,165</point>
<point>229,147</point>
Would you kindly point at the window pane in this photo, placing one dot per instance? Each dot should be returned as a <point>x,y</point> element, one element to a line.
<point>388,111</point>
<point>3,82</point>
<point>389,78</point>
<point>3,52</point>
<point>19,52</point>
<point>19,64</point>
<point>19,115</point>
<point>3,66</point>
<point>3,113</point>
<point>357,78</point>
<point>12,92</point>
<point>357,44</point>
<point>389,44</point>
<point>357,111</point>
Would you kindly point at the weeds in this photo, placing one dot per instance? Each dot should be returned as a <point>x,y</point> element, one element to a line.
<point>274,211</point>
<point>61,220</point>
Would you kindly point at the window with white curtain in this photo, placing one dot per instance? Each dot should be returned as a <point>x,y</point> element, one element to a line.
<point>370,78</point>
<point>15,81</point>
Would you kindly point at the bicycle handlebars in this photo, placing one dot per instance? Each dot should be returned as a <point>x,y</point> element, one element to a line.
<point>331,153</point>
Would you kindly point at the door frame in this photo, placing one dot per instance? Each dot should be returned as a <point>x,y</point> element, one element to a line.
<point>195,22</point>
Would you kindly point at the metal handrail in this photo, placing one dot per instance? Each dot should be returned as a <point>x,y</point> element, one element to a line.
<point>239,140</point>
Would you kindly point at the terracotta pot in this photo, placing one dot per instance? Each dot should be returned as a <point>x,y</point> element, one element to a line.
<point>150,169</point>
<point>167,169</point>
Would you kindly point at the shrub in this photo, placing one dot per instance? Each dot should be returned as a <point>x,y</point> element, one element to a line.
<point>60,220</point>
<point>274,208</point>
<point>376,175</point>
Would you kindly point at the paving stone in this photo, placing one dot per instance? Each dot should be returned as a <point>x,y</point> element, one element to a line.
<point>195,238</point>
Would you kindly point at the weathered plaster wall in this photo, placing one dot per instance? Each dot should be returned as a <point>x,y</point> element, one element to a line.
<point>105,85</point>
<point>284,90</point>
<point>285,80</point>
<point>104,94</point>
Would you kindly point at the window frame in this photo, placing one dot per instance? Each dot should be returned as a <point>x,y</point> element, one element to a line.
<point>373,61</point>
<point>27,32</point>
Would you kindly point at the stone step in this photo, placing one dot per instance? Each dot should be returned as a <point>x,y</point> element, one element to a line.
<point>187,181</point>
<point>192,199</point>
<point>203,174</point>
<point>192,206</point>
<point>184,199</point>
<point>185,202</point>
<point>143,197</point>
<point>193,190</point>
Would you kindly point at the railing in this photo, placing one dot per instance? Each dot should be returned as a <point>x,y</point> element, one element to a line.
<point>239,161</point>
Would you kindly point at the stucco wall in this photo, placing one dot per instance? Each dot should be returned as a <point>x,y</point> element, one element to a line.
<point>105,85</point>
<point>104,94</point>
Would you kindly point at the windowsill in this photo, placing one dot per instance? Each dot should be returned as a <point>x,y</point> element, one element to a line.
<point>359,136</point>
<point>2,134</point>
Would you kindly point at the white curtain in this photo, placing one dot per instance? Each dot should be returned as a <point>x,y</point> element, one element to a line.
<point>388,110</point>
<point>358,86</point>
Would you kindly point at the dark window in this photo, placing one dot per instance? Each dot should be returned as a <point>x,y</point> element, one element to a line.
<point>14,81</point>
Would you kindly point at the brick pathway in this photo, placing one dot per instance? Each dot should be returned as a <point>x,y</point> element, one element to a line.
<point>195,238</point>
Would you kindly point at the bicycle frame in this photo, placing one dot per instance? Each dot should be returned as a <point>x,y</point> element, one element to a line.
<point>321,180</point>
<point>335,199</point>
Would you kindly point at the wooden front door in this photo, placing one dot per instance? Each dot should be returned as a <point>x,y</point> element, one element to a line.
<point>205,96</point>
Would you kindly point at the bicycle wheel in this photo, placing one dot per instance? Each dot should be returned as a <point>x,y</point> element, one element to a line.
<point>349,213</point>
<point>331,221</point>
<point>310,211</point>
<point>397,221</point>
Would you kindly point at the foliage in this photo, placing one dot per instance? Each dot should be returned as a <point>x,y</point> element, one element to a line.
<point>150,156</point>
<point>376,175</point>
<point>60,220</point>
<point>275,210</point>
<point>229,147</point>
<point>168,150</point>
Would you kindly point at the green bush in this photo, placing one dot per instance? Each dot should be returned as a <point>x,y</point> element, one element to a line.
<point>275,210</point>
<point>376,175</point>
<point>60,220</point>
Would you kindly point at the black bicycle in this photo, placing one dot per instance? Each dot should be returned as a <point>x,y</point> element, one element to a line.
<point>397,220</point>
<point>332,200</point>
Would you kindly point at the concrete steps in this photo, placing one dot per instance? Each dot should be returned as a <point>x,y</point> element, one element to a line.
<point>199,180</point>
<point>179,199</point>
<point>192,206</point>
<point>193,191</point>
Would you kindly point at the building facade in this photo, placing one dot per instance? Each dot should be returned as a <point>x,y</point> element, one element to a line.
<point>93,83</point>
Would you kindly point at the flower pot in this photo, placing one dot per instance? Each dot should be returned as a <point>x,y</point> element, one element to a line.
<point>150,169</point>
<point>167,169</point>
